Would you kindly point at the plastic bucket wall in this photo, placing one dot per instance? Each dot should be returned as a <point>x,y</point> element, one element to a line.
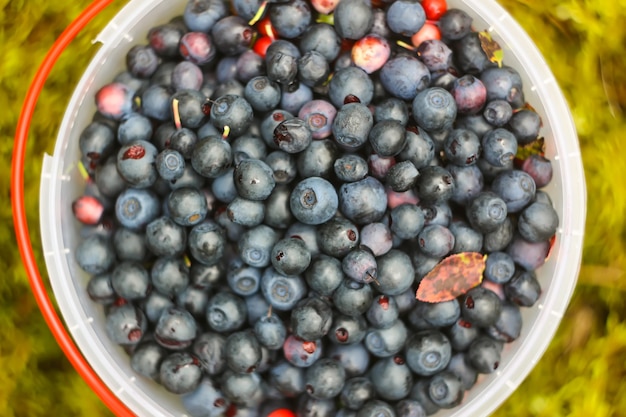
<point>62,183</point>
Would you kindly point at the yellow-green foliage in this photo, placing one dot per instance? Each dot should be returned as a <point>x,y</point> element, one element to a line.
<point>581,373</point>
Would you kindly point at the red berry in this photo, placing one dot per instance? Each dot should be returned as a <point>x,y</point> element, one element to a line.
<point>261,45</point>
<point>370,52</point>
<point>428,32</point>
<point>265,28</point>
<point>324,6</point>
<point>88,210</point>
<point>434,8</point>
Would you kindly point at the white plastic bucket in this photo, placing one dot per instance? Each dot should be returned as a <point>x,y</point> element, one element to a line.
<point>61,183</point>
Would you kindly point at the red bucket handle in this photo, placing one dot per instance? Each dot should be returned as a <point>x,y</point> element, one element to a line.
<point>19,214</point>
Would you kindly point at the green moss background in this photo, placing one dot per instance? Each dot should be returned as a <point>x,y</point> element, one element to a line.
<point>582,372</point>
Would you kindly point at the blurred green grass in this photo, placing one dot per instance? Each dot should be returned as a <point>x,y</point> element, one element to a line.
<point>581,373</point>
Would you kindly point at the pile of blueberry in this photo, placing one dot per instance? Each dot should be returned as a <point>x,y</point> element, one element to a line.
<point>268,182</point>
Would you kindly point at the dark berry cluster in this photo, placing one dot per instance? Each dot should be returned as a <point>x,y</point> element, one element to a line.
<point>269,182</point>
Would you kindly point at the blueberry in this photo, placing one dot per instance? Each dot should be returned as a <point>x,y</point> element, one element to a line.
<point>311,318</point>
<point>282,68</point>
<point>466,239</point>
<point>435,184</point>
<point>290,19</point>
<point>243,279</point>
<point>206,400</point>
<point>350,168</point>
<point>387,137</point>
<point>538,222</point>
<point>435,241</point>
<point>324,379</point>
<point>324,274</point>
<point>486,212</point>
<point>169,276</point>
<point>211,157</point>
<point>189,104</point>
<point>201,15</point>
<point>435,54</point>
<point>233,111</point>
<point>528,255</point>
<point>292,135</point>
<point>288,379</point>
<point>255,245</point>
<point>135,127</point>
<point>363,201</point>
<point>498,112</point>
<point>223,187</point>
<point>262,93</point>
<point>207,242</point>
<point>313,68</point>
<point>427,352</point>
<point>499,267</point>
<point>481,307</point>
<point>503,83</point>
<point>270,331</point>
<point>164,39</point>
<point>383,312</point>
<point>100,290</point>
<point>351,125</point>
<point>170,164</point>
<point>282,292</point>
<point>540,169</point>
<point>154,305</point>
<point>525,125</point>
<point>165,238</point>
<point>176,329</point>
<point>509,324</point>
<point>405,301</point>
<point>419,148</point>
<point>410,408</point>
<point>146,360</point>
<point>193,300</point>
<point>356,392</point>
<point>350,81</point>
<point>377,238</point>
<point>136,164</point>
<point>376,408</point>
<point>395,272</point>
<point>419,393</point>
<point>302,353</point>
<point>441,314</point>
<point>108,181</point>
<point>308,233</point>
<point>402,176</point>
<point>283,165</point>
<point>210,349</point>
<point>126,324</point>
<point>354,358</point>
<point>353,19</point>
<point>404,76</point>
<point>204,276</point>
<point>468,180</point>
<point>392,378</point>
<point>277,211</point>
<point>243,352</point>
<point>244,212</point>
<point>405,17</point>
<point>434,109</point>
<point>347,330</point>
<point>484,354</point>
<point>446,389</point>
<point>422,263</point>
<point>454,24</point>
<point>242,389</point>
<point>459,366</point>
<point>319,116</point>
<point>499,147</point>
<point>313,201</point>
<point>352,298</point>
<point>500,238</point>
<point>248,147</point>
<point>318,159</point>
<point>187,206</point>
<point>95,254</point>
<point>469,56</point>
<point>387,342</point>
<point>360,265</point>
<point>225,312</point>
<point>523,289</point>
<point>180,373</point>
